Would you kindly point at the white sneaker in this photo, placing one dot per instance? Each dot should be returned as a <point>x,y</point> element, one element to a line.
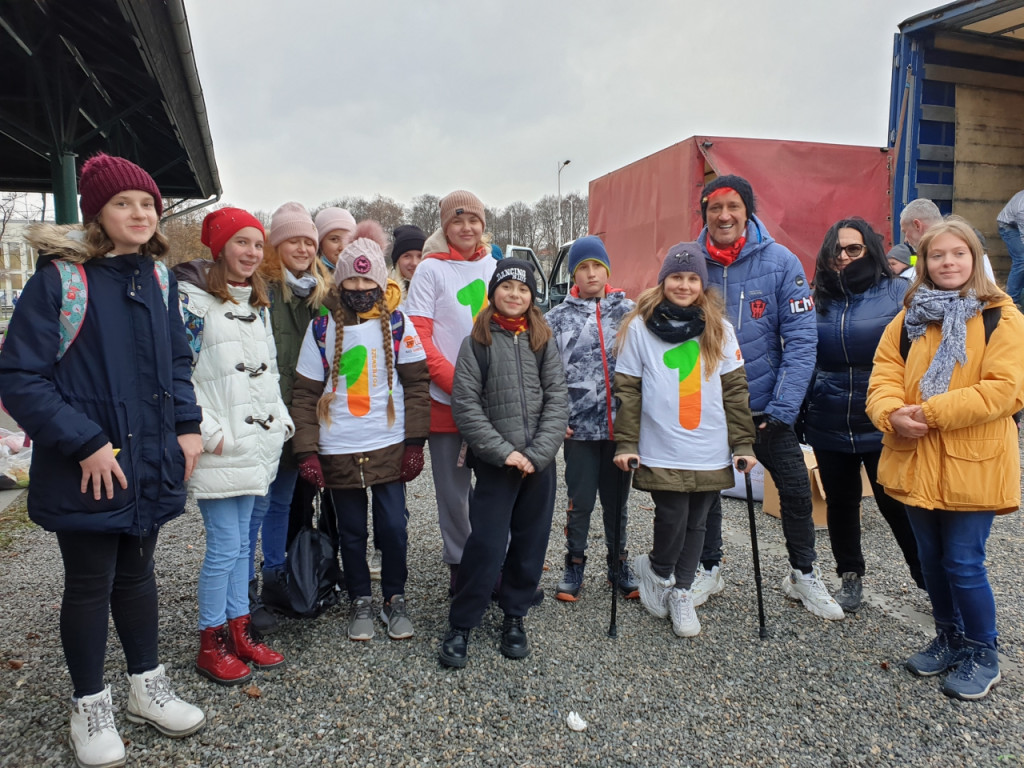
<point>94,738</point>
<point>151,700</point>
<point>374,563</point>
<point>681,608</point>
<point>706,584</point>
<point>653,589</point>
<point>809,589</point>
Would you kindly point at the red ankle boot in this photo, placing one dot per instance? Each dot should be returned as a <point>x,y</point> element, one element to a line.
<point>216,661</point>
<point>249,646</point>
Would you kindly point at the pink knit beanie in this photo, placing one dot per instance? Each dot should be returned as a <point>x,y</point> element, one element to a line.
<point>330,219</point>
<point>291,220</point>
<point>364,256</point>
<point>104,176</point>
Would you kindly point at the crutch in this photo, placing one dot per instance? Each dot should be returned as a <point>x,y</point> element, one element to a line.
<point>741,465</point>
<point>623,486</point>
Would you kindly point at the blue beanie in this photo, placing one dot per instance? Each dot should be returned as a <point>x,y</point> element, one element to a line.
<point>589,248</point>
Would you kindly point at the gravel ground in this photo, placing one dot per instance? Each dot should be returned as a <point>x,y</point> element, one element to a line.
<point>814,693</point>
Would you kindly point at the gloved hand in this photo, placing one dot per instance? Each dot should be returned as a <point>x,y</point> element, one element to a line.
<point>311,471</point>
<point>412,463</point>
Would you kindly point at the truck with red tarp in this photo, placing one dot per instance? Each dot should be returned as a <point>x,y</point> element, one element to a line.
<point>956,136</point>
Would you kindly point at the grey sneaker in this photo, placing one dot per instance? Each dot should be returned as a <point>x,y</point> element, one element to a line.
<point>374,562</point>
<point>360,622</point>
<point>684,618</point>
<point>396,617</point>
<point>809,589</point>
<point>851,592</point>
<point>653,589</point>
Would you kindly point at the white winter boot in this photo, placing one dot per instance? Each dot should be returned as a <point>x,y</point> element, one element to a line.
<point>151,700</point>
<point>94,738</point>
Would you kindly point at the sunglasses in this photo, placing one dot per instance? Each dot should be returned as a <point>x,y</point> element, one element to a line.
<point>852,251</point>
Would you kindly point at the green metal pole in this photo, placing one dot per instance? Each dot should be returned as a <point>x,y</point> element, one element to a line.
<point>65,189</point>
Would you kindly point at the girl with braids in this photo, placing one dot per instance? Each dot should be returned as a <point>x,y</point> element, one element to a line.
<point>361,403</point>
<point>678,355</point>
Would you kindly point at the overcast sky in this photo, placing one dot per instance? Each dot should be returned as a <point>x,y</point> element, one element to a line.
<point>315,99</point>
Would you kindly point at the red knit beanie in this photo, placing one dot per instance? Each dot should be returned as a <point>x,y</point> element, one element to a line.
<point>104,176</point>
<point>221,225</point>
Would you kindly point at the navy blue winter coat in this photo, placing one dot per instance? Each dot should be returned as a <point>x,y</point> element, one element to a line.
<point>125,379</point>
<point>848,334</point>
<point>768,302</point>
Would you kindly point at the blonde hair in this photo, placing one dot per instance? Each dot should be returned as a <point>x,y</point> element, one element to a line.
<point>98,244</point>
<point>273,270</point>
<point>712,340</point>
<point>540,331</point>
<point>323,406</point>
<point>984,289</point>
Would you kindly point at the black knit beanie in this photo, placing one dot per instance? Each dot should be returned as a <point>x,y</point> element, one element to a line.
<point>740,185</point>
<point>513,269</point>
<point>408,237</point>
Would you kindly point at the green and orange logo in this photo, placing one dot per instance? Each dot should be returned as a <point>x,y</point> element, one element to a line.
<point>473,296</point>
<point>352,368</point>
<point>686,359</point>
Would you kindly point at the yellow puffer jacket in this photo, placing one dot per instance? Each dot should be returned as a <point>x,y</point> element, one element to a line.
<point>969,459</point>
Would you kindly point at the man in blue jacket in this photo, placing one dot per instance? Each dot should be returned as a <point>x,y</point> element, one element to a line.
<point>768,301</point>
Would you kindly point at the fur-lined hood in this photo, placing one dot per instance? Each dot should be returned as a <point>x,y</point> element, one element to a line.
<point>58,241</point>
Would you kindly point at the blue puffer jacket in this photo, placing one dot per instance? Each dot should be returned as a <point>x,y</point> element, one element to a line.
<point>768,301</point>
<point>125,379</point>
<point>848,335</point>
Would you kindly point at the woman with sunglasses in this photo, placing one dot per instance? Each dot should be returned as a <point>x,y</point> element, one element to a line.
<point>856,295</point>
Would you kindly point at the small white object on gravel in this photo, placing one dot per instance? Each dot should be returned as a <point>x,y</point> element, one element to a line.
<point>575,722</point>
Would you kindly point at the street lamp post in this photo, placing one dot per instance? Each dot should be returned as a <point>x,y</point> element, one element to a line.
<point>511,228</point>
<point>561,165</point>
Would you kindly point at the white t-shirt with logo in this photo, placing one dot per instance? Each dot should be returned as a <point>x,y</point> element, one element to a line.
<point>451,293</point>
<point>682,421</point>
<point>359,412</point>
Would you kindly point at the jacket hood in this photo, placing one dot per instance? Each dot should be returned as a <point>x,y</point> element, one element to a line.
<point>757,239</point>
<point>57,241</point>
<point>437,247</point>
<point>193,272</point>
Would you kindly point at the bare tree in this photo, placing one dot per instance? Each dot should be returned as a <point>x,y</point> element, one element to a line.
<point>425,213</point>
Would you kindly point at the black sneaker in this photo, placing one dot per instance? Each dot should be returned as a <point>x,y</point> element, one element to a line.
<point>453,648</point>
<point>850,593</point>
<point>629,586</point>
<point>572,580</point>
<point>514,644</point>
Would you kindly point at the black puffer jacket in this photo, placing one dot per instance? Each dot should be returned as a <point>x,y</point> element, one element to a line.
<point>520,409</point>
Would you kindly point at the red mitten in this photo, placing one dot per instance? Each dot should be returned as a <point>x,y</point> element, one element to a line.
<point>412,463</point>
<point>311,472</point>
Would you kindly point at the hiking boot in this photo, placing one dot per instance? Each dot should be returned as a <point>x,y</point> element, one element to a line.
<point>262,617</point>
<point>706,583</point>
<point>572,580</point>
<point>684,618</point>
<point>944,652</point>
<point>374,562</point>
<point>246,644</point>
<point>94,738</point>
<point>452,652</point>
<point>809,589</point>
<point>396,617</point>
<point>653,589</point>
<point>360,622</point>
<point>975,675</point>
<point>850,593</point>
<point>151,700</point>
<point>629,587</point>
<point>514,644</point>
<point>216,661</point>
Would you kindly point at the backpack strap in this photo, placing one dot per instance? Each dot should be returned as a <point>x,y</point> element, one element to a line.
<point>397,331</point>
<point>990,317</point>
<point>160,273</point>
<point>320,336</point>
<point>74,295</point>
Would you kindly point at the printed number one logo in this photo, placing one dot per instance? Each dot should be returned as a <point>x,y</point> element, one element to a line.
<point>353,368</point>
<point>686,359</point>
<point>473,296</point>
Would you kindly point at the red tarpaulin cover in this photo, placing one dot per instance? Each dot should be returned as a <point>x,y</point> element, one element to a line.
<point>800,190</point>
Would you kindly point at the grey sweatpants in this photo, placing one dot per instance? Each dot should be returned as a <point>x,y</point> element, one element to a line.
<point>452,487</point>
<point>679,520</point>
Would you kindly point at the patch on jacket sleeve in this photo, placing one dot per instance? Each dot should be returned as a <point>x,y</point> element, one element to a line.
<point>799,306</point>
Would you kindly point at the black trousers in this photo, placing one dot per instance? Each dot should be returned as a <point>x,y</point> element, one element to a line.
<point>107,574</point>
<point>679,523</point>
<point>506,508</point>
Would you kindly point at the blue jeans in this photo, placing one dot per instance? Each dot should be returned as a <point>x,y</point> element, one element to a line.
<point>390,534</point>
<point>223,579</point>
<point>1015,282</point>
<point>952,550</point>
<point>272,512</point>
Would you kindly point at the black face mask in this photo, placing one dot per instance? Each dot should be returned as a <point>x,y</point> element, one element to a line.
<point>361,301</point>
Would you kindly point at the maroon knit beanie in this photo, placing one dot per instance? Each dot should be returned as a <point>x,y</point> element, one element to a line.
<point>221,225</point>
<point>104,176</point>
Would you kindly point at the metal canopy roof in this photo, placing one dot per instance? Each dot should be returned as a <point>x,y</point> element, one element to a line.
<point>102,75</point>
<point>997,18</point>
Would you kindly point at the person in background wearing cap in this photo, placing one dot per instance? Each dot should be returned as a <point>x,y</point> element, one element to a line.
<point>769,303</point>
<point>585,327</point>
<point>115,432</point>
<point>901,258</point>
<point>297,283</point>
<point>362,408</point>
<point>684,418</point>
<point>234,370</point>
<point>406,255</point>
<point>510,401</point>
<point>334,227</point>
<point>445,298</point>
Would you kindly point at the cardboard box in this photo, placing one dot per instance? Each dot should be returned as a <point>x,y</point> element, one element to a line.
<point>771,493</point>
